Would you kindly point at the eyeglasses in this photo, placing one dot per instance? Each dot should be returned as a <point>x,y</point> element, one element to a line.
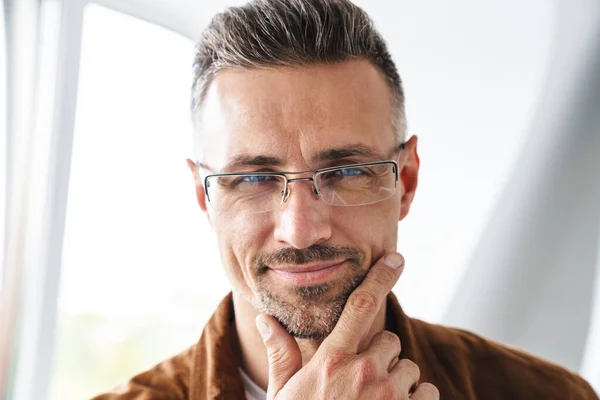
<point>346,185</point>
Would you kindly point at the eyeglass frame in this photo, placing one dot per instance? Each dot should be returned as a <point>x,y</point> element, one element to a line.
<point>286,192</point>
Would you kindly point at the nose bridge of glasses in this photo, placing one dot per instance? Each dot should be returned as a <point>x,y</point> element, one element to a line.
<point>288,190</point>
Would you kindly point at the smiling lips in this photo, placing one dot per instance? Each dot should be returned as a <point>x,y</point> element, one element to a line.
<point>308,274</point>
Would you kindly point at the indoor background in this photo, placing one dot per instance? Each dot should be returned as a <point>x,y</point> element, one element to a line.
<point>110,267</point>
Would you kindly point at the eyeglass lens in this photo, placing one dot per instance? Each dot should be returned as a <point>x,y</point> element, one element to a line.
<point>344,186</point>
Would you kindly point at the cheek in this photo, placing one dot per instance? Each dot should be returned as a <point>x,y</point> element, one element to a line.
<point>387,226</point>
<point>374,230</point>
<point>240,238</point>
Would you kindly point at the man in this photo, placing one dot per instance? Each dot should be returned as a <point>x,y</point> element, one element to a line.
<point>303,170</point>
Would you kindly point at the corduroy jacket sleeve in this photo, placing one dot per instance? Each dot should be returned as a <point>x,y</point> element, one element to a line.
<point>168,380</point>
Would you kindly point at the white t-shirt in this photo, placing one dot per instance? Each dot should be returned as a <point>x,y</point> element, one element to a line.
<point>253,391</point>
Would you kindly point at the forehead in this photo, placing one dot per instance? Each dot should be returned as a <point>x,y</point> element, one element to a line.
<point>295,113</point>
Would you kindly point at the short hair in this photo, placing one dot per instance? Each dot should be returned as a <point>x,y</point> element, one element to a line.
<point>292,33</point>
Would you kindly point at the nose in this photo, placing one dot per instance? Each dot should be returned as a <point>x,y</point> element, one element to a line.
<point>303,219</point>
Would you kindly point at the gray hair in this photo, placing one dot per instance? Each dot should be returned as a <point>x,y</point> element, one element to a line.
<point>291,33</point>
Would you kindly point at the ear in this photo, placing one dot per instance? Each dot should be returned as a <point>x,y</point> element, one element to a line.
<point>409,175</point>
<point>200,193</point>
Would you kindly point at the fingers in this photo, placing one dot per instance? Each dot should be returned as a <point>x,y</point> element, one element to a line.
<point>405,375</point>
<point>385,348</point>
<point>364,303</point>
<point>283,353</point>
<point>426,391</point>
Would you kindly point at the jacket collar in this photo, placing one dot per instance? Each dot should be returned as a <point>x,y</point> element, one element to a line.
<point>215,373</point>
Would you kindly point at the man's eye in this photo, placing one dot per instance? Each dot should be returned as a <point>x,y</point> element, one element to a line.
<point>346,172</point>
<point>254,179</point>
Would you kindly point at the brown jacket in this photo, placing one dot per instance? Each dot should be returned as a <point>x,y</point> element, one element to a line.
<point>460,364</point>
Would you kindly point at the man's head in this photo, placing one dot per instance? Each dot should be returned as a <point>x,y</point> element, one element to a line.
<point>292,86</point>
<point>293,33</point>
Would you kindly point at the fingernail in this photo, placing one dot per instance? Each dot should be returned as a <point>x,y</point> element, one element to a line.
<point>393,260</point>
<point>263,329</point>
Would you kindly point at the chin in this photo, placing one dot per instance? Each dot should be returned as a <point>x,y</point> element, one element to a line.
<point>307,312</point>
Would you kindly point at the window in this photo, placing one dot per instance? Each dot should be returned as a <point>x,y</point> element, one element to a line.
<point>137,251</point>
<point>3,136</point>
<point>473,75</point>
<point>141,272</point>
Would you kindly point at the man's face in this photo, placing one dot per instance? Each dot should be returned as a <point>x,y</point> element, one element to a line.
<point>286,119</point>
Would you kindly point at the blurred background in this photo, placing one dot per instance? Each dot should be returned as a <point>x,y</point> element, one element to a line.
<point>109,266</point>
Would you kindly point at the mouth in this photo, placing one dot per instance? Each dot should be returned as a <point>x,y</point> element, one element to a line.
<point>308,274</point>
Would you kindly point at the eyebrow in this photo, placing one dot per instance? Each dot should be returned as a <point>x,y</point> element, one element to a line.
<point>333,154</point>
<point>245,160</point>
<point>347,151</point>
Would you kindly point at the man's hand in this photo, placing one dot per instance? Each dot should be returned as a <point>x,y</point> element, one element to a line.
<point>338,370</point>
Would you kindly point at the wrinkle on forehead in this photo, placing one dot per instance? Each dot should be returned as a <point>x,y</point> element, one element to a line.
<point>293,113</point>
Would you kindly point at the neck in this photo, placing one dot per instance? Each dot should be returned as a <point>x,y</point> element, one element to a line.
<point>253,353</point>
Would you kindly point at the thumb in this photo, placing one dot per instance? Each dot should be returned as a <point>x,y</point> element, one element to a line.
<point>283,353</point>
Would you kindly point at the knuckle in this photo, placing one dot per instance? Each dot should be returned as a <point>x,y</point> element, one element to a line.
<point>431,391</point>
<point>276,355</point>
<point>364,302</point>
<point>408,365</point>
<point>332,360</point>
<point>366,371</point>
<point>387,390</point>
<point>409,368</point>
<point>384,277</point>
<point>390,338</point>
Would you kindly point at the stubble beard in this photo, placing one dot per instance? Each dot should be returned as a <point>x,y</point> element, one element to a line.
<point>307,312</point>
